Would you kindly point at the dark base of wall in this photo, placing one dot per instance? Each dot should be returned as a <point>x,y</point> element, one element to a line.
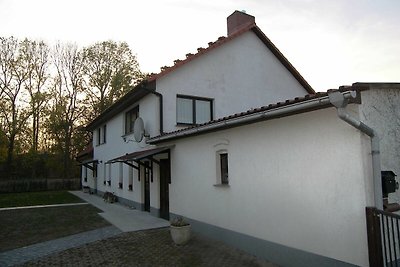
<point>273,252</point>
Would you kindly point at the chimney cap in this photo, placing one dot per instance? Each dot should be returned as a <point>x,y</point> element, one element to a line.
<point>238,20</point>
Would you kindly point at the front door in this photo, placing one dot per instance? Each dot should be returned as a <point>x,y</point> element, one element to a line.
<point>147,187</point>
<point>164,188</point>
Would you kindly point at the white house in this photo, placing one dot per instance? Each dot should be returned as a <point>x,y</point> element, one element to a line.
<point>237,142</point>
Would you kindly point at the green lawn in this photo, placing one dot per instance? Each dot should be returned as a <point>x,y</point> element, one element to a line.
<point>20,228</point>
<point>37,198</point>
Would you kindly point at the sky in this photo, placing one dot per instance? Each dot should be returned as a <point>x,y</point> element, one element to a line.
<point>331,43</point>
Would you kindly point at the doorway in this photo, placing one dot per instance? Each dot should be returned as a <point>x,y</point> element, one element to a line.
<point>164,188</point>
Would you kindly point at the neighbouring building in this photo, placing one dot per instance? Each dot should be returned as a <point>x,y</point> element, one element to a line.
<point>236,141</point>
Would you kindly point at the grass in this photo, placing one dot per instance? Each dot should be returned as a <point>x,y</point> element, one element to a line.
<point>37,198</point>
<point>20,228</point>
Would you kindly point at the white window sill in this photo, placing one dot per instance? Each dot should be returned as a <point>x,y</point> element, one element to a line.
<point>221,185</point>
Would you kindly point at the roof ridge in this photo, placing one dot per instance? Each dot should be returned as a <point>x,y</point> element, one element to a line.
<point>200,51</point>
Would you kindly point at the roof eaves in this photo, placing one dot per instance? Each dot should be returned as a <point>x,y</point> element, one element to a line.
<point>137,93</point>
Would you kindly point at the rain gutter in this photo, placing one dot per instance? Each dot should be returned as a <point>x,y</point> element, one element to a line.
<point>245,119</point>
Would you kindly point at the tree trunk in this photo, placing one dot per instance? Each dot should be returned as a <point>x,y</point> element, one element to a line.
<point>10,152</point>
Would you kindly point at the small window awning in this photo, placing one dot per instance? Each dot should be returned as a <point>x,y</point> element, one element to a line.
<point>140,155</point>
<point>89,164</point>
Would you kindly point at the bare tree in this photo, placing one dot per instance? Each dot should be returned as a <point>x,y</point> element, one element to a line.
<point>67,109</point>
<point>13,111</point>
<point>36,57</point>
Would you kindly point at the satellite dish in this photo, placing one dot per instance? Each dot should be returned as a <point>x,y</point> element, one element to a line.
<point>138,129</point>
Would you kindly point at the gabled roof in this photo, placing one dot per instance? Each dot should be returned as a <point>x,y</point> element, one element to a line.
<point>142,88</point>
<point>223,40</point>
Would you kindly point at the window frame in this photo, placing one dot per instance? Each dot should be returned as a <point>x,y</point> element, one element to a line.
<point>194,99</point>
<point>129,125</point>
<point>221,180</point>
<point>101,135</point>
<point>224,170</point>
<point>104,139</point>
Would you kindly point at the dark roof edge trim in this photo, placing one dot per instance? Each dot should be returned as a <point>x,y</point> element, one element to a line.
<point>134,95</point>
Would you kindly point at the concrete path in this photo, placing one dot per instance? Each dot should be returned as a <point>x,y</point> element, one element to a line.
<point>126,219</point>
<point>43,206</point>
<point>28,253</point>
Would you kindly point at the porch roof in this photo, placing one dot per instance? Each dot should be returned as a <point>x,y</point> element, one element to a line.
<point>139,155</point>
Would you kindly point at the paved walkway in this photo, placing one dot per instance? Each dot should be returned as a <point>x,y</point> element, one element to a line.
<point>109,246</point>
<point>28,253</point>
<point>43,206</point>
<point>121,217</point>
<point>152,248</point>
<point>126,219</point>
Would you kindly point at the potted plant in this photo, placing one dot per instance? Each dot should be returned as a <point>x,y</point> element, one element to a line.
<point>180,230</point>
<point>86,189</point>
<point>130,187</point>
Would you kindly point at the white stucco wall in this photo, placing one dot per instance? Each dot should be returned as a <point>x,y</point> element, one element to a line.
<point>240,75</point>
<point>380,109</point>
<point>90,179</point>
<point>301,181</point>
<point>115,146</point>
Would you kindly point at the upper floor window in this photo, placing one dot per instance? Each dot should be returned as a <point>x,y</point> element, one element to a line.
<point>130,118</point>
<point>102,135</point>
<point>223,157</point>
<point>193,110</point>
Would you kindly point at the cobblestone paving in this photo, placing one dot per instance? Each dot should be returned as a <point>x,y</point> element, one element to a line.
<point>24,254</point>
<point>151,248</point>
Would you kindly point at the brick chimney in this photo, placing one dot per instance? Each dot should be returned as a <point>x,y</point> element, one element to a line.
<point>239,20</point>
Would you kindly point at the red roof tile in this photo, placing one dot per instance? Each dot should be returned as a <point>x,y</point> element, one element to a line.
<point>222,40</point>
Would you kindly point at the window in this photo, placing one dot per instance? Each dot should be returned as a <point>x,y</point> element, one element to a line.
<point>102,135</point>
<point>109,175</point>
<point>193,110</point>
<point>98,136</point>
<point>130,186</point>
<point>223,157</point>
<point>105,174</point>
<point>95,170</point>
<point>121,175</point>
<point>130,118</point>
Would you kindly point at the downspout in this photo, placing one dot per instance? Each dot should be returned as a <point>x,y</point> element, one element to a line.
<point>160,99</point>
<point>338,100</point>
